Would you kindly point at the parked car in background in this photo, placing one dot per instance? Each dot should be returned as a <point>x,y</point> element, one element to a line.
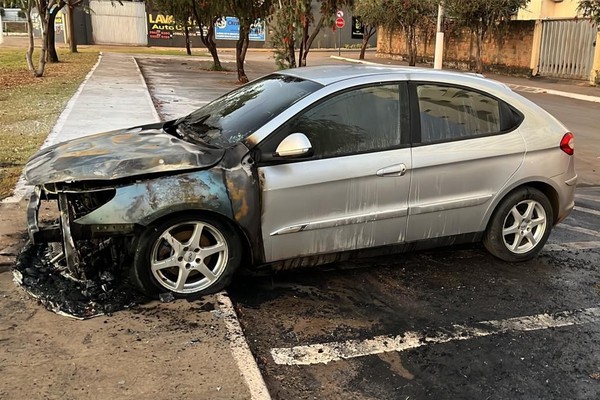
<point>308,166</point>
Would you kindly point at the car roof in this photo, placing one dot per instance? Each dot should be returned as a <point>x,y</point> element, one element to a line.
<point>328,74</point>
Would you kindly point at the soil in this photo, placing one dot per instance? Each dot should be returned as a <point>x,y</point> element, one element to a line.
<point>155,350</point>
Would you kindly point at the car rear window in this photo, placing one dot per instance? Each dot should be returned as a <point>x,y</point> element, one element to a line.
<point>236,115</point>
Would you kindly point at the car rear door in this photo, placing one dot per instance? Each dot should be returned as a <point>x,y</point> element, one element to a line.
<point>466,146</point>
<point>352,192</point>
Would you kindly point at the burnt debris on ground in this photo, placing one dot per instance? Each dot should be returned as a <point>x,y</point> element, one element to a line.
<point>105,291</point>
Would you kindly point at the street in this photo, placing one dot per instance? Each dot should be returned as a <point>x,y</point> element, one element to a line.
<point>443,298</point>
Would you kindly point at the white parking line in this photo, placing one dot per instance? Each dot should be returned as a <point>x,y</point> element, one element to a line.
<point>572,246</point>
<point>587,197</point>
<point>587,210</point>
<point>579,229</point>
<point>324,353</point>
<point>241,352</point>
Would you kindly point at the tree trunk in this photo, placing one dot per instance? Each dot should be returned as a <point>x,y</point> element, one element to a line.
<point>72,35</point>
<point>31,46</point>
<point>51,35</point>
<point>43,13</point>
<point>240,49</point>
<point>478,62</point>
<point>311,39</point>
<point>186,30</point>
<point>303,43</point>
<point>368,33</point>
<point>208,40</point>
<point>410,48</point>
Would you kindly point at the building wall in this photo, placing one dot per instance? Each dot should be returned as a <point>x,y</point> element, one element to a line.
<point>509,52</point>
<point>540,9</point>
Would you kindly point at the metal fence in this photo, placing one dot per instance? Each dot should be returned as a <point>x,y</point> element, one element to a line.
<point>115,23</point>
<point>567,48</point>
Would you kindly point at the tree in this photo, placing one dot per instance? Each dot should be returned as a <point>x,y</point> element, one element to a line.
<point>371,14</point>
<point>207,13</point>
<point>591,9</point>
<point>481,16</point>
<point>294,23</point>
<point>248,12</point>
<point>410,16</point>
<point>27,6</point>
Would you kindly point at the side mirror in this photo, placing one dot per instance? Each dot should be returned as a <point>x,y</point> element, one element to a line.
<point>294,145</point>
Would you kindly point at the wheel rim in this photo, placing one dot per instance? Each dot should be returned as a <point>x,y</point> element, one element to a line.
<point>524,226</point>
<point>189,257</point>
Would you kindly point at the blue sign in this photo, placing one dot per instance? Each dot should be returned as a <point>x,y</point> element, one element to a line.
<point>228,28</point>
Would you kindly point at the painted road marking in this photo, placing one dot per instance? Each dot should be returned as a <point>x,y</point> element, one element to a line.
<point>572,246</point>
<point>587,197</point>
<point>324,353</point>
<point>587,210</point>
<point>241,351</point>
<point>579,229</point>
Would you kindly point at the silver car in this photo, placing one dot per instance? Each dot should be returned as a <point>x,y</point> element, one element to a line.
<point>309,166</point>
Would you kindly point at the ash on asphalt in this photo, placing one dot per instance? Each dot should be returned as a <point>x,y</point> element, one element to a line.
<point>418,292</point>
<point>103,293</point>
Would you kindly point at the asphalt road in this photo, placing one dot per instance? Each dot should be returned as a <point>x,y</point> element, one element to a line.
<point>445,324</point>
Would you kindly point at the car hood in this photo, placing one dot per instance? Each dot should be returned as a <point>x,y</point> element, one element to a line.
<point>118,154</point>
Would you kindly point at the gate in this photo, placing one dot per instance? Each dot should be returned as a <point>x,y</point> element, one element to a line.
<point>117,23</point>
<point>567,49</point>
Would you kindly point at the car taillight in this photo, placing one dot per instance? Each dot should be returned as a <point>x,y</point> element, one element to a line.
<point>567,143</point>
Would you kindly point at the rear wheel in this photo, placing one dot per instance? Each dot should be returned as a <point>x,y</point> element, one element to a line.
<point>187,256</point>
<point>520,226</point>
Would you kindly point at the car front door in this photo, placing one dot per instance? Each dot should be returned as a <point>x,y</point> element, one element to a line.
<point>467,148</point>
<point>351,190</point>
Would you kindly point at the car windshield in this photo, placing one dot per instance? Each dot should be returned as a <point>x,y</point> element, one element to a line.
<point>236,115</point>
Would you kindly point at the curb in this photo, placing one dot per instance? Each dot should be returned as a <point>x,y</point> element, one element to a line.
<point>241,351</point>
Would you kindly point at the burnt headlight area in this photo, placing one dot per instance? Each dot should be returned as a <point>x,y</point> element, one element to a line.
<point>72,269</point>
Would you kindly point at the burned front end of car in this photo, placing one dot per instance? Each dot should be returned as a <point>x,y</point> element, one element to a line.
<point>94,195</point>
<point>81,249</point>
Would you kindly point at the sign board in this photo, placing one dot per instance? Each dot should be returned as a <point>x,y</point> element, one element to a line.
<point>339,22</point>
<point>228,28</point>
<point>358,28</point>
<point>339,14</point>
<point>164,30</point>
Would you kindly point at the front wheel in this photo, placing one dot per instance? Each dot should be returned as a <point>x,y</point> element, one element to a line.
<point>187,256</point>
<point>520,226</point>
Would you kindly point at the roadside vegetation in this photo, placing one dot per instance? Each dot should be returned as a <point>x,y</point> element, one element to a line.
<point>29,106</point>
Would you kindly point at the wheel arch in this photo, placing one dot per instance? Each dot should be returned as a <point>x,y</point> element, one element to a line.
<point>543,186</point>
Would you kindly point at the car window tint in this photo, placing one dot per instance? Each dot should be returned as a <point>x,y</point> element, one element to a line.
<point>355,121</point>
<point>236,115</point>
<point>449,113</point>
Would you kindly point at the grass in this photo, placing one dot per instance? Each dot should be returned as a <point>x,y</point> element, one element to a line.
<point>29,106</point>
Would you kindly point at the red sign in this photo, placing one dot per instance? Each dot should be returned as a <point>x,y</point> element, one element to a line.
<point>339,22</point>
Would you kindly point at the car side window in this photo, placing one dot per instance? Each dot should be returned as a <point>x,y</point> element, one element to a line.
<point>451,113</point>
<point>355,121</point>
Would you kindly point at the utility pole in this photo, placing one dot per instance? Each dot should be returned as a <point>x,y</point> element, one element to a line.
<point>439,39</point>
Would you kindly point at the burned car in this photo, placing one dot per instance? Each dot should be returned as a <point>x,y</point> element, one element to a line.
<point>309,166</point>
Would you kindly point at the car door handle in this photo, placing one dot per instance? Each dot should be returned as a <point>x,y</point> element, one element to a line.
<point>392,170</point>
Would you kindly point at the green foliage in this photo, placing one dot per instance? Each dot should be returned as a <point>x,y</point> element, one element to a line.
<point>482,16</point>
<point>293,25</point>
<point>591,9</point>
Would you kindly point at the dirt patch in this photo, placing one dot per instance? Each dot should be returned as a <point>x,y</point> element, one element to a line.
<point>159,351</point>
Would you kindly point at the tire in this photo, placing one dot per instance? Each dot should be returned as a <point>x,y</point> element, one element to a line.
<point>520,225</point>
<point>189,256</point>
